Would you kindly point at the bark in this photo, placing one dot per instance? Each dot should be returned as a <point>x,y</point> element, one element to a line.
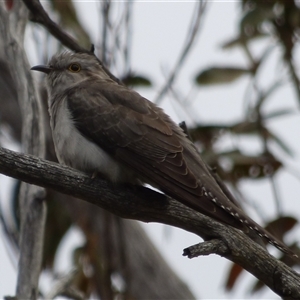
<point>12,27</point>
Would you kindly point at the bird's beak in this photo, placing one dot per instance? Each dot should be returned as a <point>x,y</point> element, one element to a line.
<point>42,68</point>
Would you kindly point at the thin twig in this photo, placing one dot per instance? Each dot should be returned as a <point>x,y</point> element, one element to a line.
<point>105,9</point>
<point>39,15</point>
<point>275,190</point>
<point>295,79</point>
<point>63,287</point>
<point>193,30</point>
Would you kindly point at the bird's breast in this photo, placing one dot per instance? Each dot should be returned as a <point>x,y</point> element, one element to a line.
<point>75,150</point>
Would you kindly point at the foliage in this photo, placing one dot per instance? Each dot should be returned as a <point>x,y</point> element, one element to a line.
<point>276,23</point>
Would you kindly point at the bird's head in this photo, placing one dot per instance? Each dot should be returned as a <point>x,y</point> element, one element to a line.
<point>67,69</point>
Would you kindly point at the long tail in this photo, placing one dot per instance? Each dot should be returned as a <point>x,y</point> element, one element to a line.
<point>240,216</point>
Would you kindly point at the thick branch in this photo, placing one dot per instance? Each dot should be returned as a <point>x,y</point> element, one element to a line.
<point>146,205</point>
<point>31,204</point>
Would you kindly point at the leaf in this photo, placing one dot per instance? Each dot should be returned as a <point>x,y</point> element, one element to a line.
<point>220,75</point>
<point>233,275</point>
<point>136,80</point>
<point>257,16</point>
<point>9,4</point>
<point>279,227</point>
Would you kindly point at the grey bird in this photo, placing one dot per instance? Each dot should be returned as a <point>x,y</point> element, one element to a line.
<point>100,126</point>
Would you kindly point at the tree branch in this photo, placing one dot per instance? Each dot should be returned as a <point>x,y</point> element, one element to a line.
<point>146,205</point>
<point>39,15</point>
<point>192,31</point>
<point>31,204</point>
<point>206,248</point>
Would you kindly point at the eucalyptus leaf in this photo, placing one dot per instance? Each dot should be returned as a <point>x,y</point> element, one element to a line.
<point>136,80</point>
<point>220,75</point>
<point>257,16</point>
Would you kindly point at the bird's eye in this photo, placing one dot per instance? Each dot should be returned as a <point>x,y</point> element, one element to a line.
<point>74,68</point>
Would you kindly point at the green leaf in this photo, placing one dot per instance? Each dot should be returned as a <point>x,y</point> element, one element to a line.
<point>136,80</point>
<point>257,16</point>
<point>220,75</point>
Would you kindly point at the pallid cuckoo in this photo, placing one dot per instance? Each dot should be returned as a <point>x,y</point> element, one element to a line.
<point>101,126</point>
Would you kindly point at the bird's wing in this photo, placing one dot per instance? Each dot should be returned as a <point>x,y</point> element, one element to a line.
<point>141,136</point>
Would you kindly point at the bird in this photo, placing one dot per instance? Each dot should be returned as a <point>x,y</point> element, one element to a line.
<point>100,126</point>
